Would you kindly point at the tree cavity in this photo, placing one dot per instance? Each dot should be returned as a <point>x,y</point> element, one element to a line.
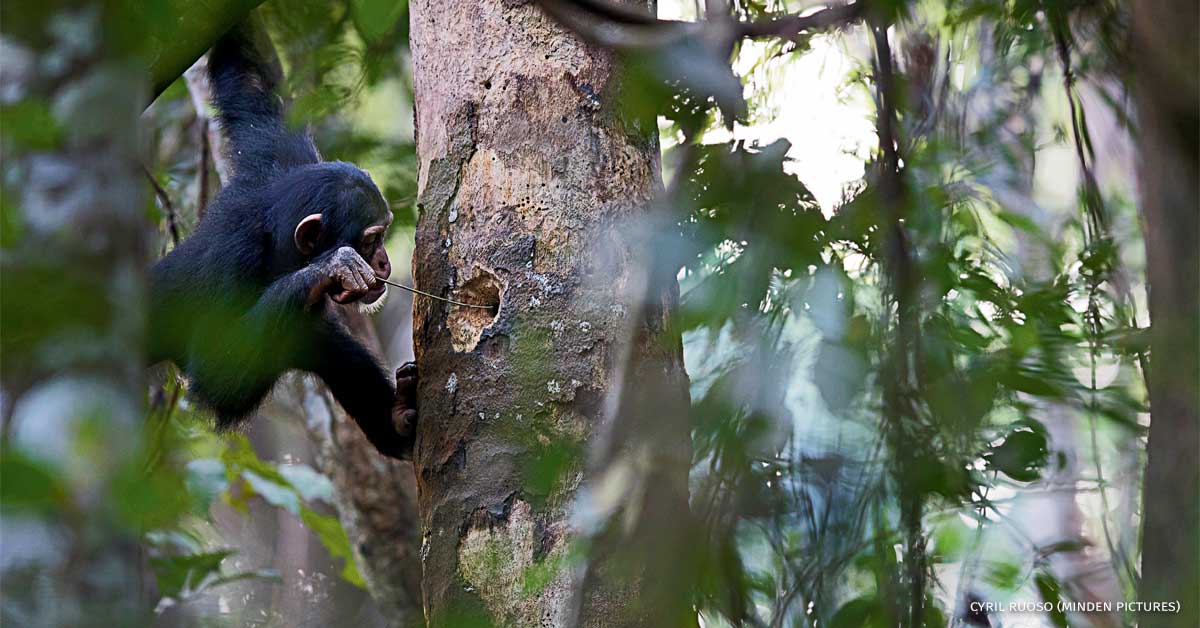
<point>467,323</point>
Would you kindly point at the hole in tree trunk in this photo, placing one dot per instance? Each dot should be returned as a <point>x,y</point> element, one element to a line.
<point>467,323</point>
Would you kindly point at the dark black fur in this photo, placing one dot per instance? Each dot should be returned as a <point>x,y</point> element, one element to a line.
<point>232,304</point>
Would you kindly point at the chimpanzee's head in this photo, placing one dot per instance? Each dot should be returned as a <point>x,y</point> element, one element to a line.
<point>326,206</point>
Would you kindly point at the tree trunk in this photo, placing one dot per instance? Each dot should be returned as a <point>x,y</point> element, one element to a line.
<point>1168,103</point>
<point>529,181</point>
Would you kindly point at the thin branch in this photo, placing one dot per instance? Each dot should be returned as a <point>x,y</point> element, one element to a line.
<point>168,206</point>
<point>202,170</point>
<point>200,92</point>
<point>1097,214</point>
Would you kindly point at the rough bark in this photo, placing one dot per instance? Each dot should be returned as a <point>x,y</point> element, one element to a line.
<point>529,182</point>
<point>1168,102</point>
<point>375,497</point>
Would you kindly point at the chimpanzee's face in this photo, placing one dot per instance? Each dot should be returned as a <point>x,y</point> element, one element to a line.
<point>370,247</point>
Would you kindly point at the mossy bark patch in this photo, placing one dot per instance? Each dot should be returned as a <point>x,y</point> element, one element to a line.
<point>520,582</point>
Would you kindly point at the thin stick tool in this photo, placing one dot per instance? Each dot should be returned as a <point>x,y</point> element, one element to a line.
<point>434,296</point>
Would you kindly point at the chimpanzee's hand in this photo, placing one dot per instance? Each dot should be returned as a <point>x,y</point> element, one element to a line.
<point>350,275</point>
<point>404,412</point>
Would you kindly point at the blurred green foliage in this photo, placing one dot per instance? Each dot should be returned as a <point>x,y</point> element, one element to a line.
<point>785,302</point>
<point>95,490</point>
<point>802,470</point>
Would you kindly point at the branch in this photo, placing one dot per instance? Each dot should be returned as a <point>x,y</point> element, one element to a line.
<point>623,28</point>
<point>899,377</point>
<point>202,170</point>
<point>617,27</point>
<point>188,35</point>
<point>168,206</point>
<point>791,26</point>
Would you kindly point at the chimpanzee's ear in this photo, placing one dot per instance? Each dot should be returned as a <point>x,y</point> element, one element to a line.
<point>308,232</point>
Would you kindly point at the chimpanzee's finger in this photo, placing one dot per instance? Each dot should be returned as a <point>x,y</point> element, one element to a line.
<point>360,282</point>
<point>406,388</point>
<point>364,277</point>
<point>369,275</point>
<point>349,292</point>
<point>405,422</point>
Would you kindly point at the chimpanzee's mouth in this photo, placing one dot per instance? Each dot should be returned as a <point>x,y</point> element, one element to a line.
<point>374,294</point>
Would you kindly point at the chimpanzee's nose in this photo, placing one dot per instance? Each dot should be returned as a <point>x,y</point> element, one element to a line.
<point>383,267</point>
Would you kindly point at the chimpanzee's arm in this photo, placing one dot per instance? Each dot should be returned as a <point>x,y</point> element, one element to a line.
<point>365,391</point>
<point>244,78</point>
<point>301,338</point>
<point>233,359</point>
<point>242,356</point>
<point>295,293</point>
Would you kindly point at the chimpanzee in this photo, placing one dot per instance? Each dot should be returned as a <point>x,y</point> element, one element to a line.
<point>251,294</point>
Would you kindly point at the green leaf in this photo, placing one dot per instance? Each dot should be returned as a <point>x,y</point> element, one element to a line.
<point>1037,386</point>
<point>174,542</point>
<point>863,611</point>
<point>205,479</point>
<point>1051,593</point>
<point>253,574</point>
<point>333,536</point>
<point>939,476</point>
<point>375,18</point>
<point>934,616</point>
<point>275,485</point>
<point>174,574</point>
<point>276,494</point>
<point>1004,576</point>
<point>1020,221</point>
<point>310,483</point>
<point>240,456</point>
<point>1022,453</point>
<point>950,540</point>
<point>149,501</point>
<point>28,485</point>
<point>29,125</point>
